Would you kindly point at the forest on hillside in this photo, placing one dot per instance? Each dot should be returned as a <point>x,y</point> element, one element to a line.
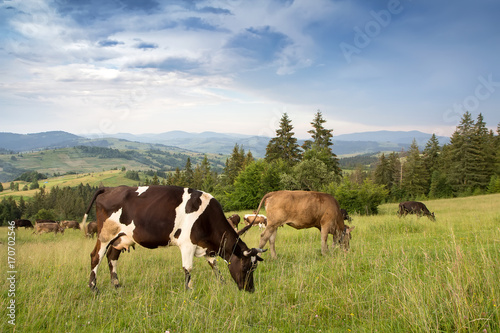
<point>468,165</point>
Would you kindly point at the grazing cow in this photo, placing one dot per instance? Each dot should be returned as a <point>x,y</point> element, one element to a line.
<point>23,223</point>
<point>41,228</point>
<point>415,207</point>
<point>257,219</point>
<point>345,215</point>
<point>304,209</point>
<point>70,225</point>
<point>234,220</point>
<point>155,216</point>
<point>91,229</point>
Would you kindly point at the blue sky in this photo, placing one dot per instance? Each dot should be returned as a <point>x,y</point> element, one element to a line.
<point>234,66</point>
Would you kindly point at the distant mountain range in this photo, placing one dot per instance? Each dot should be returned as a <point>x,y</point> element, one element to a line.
<point>217,143</point>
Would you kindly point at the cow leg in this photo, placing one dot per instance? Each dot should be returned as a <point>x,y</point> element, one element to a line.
<point>113,255</point>
<point>95,259</point>
<point>269,234</point>
<point>212,261</point>
<point>324,238</point>
<point>187,254</point>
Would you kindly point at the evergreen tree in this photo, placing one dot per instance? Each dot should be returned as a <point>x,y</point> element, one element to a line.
<point>431,154</point>
<point>1,187</point>
<point>320,147</point>
<point>284,146</point>
<point>383,174</point>
<point>467,169</point>
<point>415,177</point>
<point>234,165</point>
<point>188,175</point>
<point>485,163</point>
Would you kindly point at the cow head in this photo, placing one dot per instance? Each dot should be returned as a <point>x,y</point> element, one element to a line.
<point>345,238</point>
<point>242,268</point>
<point>432,217</point>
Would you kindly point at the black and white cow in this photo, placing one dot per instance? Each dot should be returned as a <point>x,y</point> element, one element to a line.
<point>155,216</point>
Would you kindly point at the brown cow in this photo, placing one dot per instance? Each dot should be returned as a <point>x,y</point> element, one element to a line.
<point>156,216</point>
<point>70,225</point>
<point>304,209</point>
<point>91,229</point>
<point>41,228</point>
<point>234,220</point>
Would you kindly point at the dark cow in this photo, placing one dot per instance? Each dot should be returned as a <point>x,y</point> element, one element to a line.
<point>415,207</point>
<point>345,215</point>
<point>304,209</point>
<point>41,228</point>
<point>23,223</point>
<point>70,225</point>
<point>155,216</point>
<point>91,229</point>
<point>234,220</point>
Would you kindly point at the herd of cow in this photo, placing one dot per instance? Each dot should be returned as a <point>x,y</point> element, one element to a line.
<point>160,216</point>
<point>44,226</point>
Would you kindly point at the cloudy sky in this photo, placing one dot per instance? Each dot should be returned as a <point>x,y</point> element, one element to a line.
<point>235,66</point>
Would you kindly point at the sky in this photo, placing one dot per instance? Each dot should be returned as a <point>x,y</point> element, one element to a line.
<point>234,66</point>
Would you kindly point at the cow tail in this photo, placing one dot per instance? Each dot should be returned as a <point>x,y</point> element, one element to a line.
<point>245,229</point>
<point>83,224</point>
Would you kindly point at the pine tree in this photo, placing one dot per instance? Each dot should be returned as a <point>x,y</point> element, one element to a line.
<point>485,162</point>
<point>320,147</point>
<point>234,165</point>
<point>415,177</point>
<point>467,160</point>
<point>188,174</point>
<point>431,154</point>
<point>382,174</point>
<point>284,146</point>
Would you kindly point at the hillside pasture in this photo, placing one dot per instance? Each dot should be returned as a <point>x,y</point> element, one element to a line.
<point>401,275</point>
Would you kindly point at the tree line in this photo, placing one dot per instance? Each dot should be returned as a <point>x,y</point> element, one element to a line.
<point>468,165</point>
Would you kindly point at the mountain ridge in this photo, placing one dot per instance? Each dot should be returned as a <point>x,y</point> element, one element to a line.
<point>217,143</point>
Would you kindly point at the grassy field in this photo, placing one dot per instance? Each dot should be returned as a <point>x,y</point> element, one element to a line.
<point>401,275</point>
<point>108,177</point>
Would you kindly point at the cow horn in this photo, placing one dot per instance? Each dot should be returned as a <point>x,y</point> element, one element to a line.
<point>253,252</point>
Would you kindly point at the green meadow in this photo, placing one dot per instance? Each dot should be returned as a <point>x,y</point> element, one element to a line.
<point>401,275</point>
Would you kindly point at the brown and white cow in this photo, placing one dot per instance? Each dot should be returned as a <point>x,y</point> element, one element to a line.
<point>415,207</point>
<point>304,209</point>
<point>41,228</point>
<point>256,219</point>
<point>155,216</point>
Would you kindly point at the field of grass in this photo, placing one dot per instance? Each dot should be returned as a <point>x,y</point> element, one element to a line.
<point>401,275</point>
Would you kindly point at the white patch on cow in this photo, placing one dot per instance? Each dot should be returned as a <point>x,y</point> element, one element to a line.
<point>141,189</point>
<point>185,222</point>
<point>252,215</point>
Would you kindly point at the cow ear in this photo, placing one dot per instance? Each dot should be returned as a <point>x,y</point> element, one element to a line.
<point>349,229</point>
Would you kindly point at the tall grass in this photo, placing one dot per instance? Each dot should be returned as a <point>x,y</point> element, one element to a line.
<point>401,275</point>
